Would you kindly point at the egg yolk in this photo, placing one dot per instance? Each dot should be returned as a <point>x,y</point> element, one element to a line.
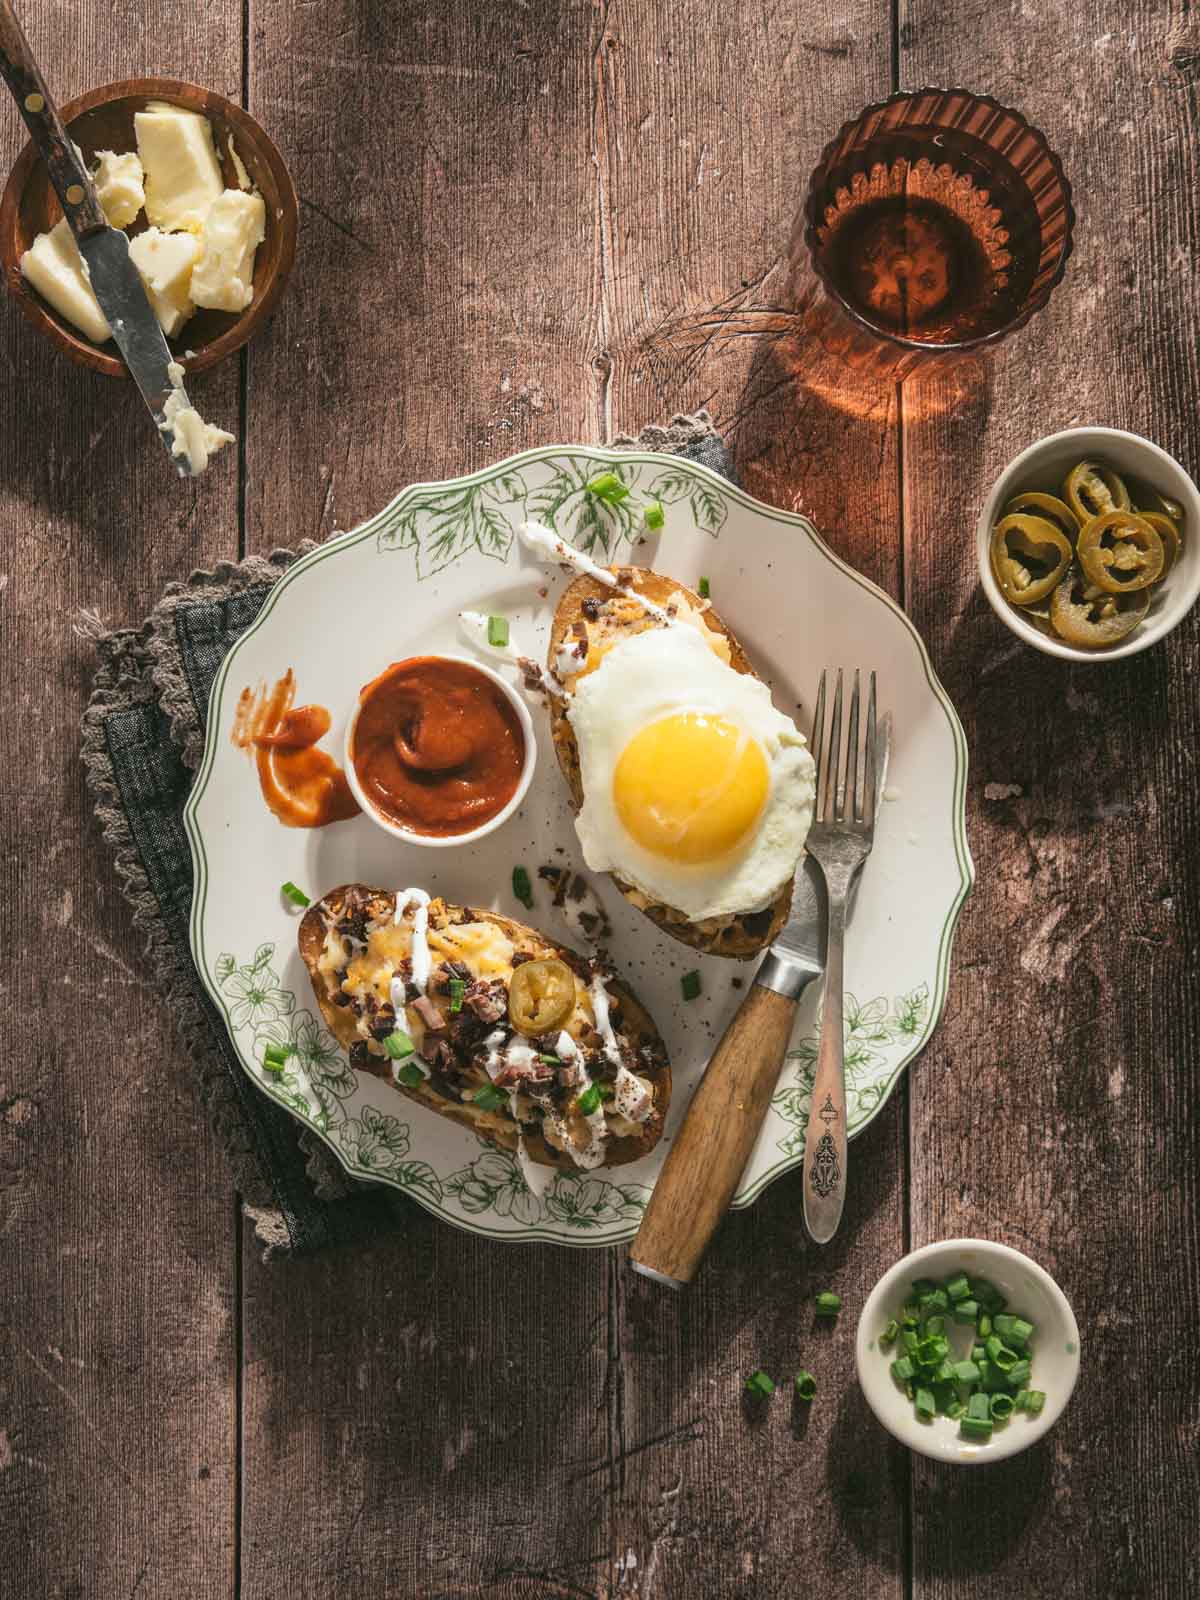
<point>690,787</point>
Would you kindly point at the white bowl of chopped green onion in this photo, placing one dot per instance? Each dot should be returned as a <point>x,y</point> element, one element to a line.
<point>967,1351</point>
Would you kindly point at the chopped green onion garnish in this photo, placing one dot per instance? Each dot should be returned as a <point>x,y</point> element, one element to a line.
<point>975,1427</point>
<point>589,1100</point>
<point>655,516</point>
<point>806,1385</point>
<point>934,1325</point>
<point>828,1304</point>
<point>1001,1407</point>
<point>458,988</point>
<point>607,486</point>
<point>959,1286</point>
<point>910,1339</point>
<point>1001,1355</point>
<point>926,1405</point>
<point>522,888</point>
<point>922,1286</point>
<point>984,1326</point>
<point>966,1372</point>
<point>690,985</point>
<point>498,631</point>
<point>275,1058</point>
<point>936,1300</point>
<point>489,1098</point>
<point>966,1310</point>
<point>1031,1400</point>
<point>955,1409</point>
<point>295,895</point>
<point>1019,1374</point>
<point>890,1334</point>
<point>1013,1330</point>
<point>979,1406</point>
<point>398,1045</point>
<point>759,1384</point>
<point>903,1370</point>
<point>410,1075</point>
<point>989,1296</point>
<point>550,1061</point>
<point>704,591</point>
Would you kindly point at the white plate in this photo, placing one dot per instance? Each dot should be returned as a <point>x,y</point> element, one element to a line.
<point>393,588</point>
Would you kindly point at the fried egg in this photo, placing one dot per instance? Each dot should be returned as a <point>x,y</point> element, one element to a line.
<point>697,791</point>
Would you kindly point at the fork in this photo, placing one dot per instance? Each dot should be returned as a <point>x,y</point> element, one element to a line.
<point>839,841</point>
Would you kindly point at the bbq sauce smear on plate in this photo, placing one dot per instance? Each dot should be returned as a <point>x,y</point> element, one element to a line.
<point>437,747</point>
<point>303,786</point>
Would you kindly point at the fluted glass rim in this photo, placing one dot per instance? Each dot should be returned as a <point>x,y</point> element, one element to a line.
<point>1037,301</point>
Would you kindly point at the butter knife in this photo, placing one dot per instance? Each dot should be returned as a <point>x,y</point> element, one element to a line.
<point>115,280</point>
<point>723,1121</point>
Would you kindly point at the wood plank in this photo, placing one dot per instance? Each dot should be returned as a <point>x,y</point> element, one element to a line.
<point>1057,1109</point>
<point>117,1373</point>
<point>711,123</point>
<point>430,1400</point>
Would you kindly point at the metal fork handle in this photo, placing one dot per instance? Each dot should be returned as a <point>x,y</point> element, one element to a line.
<point>825,1139</point>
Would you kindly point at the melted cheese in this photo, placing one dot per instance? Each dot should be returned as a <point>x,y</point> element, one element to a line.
<point>481,945</point>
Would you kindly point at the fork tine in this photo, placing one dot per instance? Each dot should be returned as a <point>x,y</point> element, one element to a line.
<point>871,778</point>
<point>831,811</point>
<point>851,807</point>
<point>818,744</point>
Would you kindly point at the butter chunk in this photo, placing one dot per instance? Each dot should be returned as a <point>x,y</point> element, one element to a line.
<point>193,439</point>
<point>165,261</point>
<point>54,267</point>
<point>236,225</point>
<point>120,186</point>
<point>182,175</point>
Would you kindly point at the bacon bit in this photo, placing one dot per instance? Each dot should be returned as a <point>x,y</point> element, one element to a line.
<point>428,1013</point>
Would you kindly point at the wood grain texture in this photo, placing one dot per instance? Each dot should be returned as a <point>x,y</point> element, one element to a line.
<point>117,1369</point>
<point>1058,1103</point>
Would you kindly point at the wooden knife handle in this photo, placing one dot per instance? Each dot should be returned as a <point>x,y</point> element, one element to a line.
<point>711,1149</point>
<point>36,104</point>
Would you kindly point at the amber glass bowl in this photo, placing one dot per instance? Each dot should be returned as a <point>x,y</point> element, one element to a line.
<point>938,220</point>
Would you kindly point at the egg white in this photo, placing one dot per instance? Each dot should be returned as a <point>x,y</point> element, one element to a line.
<point>671,671</point>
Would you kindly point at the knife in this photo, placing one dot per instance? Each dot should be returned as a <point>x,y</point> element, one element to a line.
<point>115,280</point>
<point>723,1121</point>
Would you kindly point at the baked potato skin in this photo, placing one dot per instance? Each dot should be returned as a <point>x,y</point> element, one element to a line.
<point>746,936</point>
<point>635,1022</point>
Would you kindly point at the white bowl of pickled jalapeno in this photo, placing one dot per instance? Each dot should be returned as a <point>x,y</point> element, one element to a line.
<point>967,1351</point>
<point>1089,544</point>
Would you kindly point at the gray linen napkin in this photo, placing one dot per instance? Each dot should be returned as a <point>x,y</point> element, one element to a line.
<point>143,737</point>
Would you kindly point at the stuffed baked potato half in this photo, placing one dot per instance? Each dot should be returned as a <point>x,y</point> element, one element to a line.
<point>486,1021</point>
<point>591,617</point>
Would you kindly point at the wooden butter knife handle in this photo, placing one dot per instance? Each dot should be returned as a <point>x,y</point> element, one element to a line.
<point>36,104</point>
<point>710,1151</point>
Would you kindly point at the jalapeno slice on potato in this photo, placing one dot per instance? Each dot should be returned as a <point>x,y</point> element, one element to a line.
<point>1168,531</point>
<point>1086,615</point>
<point>1048,506</point>
<point>1119,552</point>
<point>1091,488</point>
<point>1029,556</point>
<point>541,997</point>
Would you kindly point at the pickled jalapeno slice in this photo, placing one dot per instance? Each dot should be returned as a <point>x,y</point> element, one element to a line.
<point>1119,552</point>
<point>1029,556</point>
<point>1092,488</point>
<point>1147,498</point>
<point>1086,615</point>
<point>541,997</point>
<point>1049,506</point>
<point>1168,531</point>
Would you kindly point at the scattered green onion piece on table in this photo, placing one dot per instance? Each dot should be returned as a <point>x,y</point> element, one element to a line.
<point>759,1384</point>
<point>410,1075</point>
<point>1001,1407</point>
<point>297,896</point>
<point>589,1100</point>
<point>828,1303</point>
<point>398,1045</point>
<point>958,1287</point>
<point>522,888</point>
<point>689,985</point>
<point>489,1098</point>
<point>806,1385</point>
<point>704,590</point>
<point>654,515</point>
<point>458,989</point>
<point>498,632</point>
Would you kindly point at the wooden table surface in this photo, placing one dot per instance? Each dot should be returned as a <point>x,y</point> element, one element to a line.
<point>526,223</point>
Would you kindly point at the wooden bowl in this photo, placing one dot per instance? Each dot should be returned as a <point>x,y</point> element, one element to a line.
<point>102,119</point>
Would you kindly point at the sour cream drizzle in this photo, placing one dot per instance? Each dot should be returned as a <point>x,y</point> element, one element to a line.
<point>544,542</point>
<point>398,990</point>
<point>630,1097</point>
<point>474,626</point>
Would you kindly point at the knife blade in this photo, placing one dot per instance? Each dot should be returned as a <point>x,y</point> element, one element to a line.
<point>115,280</point>
<point>798,953</point>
